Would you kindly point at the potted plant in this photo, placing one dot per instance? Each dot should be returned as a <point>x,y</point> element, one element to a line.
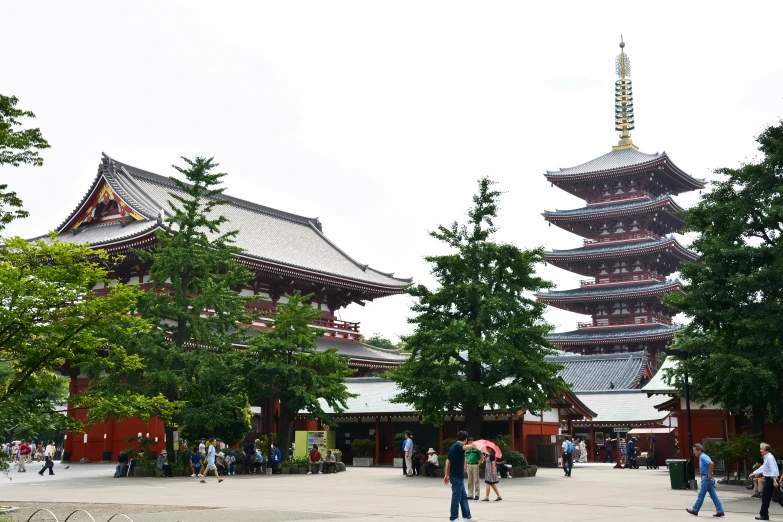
<point>362,449</point>
<point>285,467</point>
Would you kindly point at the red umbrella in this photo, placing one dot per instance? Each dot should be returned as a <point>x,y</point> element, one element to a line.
<point>482,446</point>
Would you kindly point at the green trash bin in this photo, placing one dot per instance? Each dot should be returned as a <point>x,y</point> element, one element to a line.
<point>678,473</point>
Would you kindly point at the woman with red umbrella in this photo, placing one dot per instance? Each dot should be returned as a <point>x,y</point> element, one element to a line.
<point>491,473</point>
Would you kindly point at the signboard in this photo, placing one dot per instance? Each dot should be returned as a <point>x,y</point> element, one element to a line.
<point>176,440</point>
<point>316,437</point>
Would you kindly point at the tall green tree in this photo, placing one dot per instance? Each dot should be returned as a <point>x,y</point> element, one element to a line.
<point>195,273</point>
<point>289,368</point>
<point>51,320</point>
<point>480,337</point>
<point>734,291</point>
<point>17,146</point>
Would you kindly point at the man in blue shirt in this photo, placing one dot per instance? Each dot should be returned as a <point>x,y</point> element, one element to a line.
<point>455,473</point>
<point>407,447</point>
<point>277,459</point>
<point>707,483</point>
<point>211,463</point>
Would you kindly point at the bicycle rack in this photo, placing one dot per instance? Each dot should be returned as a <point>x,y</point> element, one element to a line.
<point>77,511</point>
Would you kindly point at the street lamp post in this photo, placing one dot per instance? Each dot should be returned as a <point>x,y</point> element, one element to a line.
<point>692,472</point>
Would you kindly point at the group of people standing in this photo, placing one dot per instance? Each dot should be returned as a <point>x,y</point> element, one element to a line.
<point>22,453</point>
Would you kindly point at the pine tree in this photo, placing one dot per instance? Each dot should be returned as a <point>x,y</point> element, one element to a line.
<point>290,369</point>
<point>479,338</point>
<point>195,273</point>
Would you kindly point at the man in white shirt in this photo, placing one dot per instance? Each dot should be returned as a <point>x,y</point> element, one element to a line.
<point>49,457</point>
<point>768,470</point>
<point>202,448</point>
<point>432,463</point>
<point>407,447</point>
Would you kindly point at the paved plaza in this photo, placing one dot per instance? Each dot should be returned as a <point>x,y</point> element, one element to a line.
<point>595,492</point>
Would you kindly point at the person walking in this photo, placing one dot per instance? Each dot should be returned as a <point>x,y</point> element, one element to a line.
<point>608,448</point>
<point>407,448</point>
<point>211,466</point>
<point>491,475</point>
<point>24,450</point>
<point>49,456</point>
<point>630,453</point>
<point>769,471</point>
<point>568,455</point>
<point>706,484</point>
<point>455,474</point>
<point>473,458</point>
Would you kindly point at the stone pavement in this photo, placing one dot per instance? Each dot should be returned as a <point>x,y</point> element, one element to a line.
<point>595,492</point>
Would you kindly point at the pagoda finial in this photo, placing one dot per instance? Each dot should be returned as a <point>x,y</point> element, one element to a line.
<point>623,100</point>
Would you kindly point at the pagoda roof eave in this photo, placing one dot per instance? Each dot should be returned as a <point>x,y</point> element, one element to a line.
<point>600,294</point>
<point>625,161</point>
<point>663,202</point>
<point>613,335</point>
<point>609,251</point>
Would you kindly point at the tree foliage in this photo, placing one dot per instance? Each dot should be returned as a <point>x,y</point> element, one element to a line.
<point>380,341</point>
<point>17,147</point>
<point>480,337</point>
<point>52,320</point>
<point>191,358</point>
<point>734,292</point>
<point>288,367</point>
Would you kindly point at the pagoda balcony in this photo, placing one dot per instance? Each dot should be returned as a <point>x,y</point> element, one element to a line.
<point>614,198</point>
<point>628,321</point>
<point>333,328</point>
<point>620,238</point>
<point>627,278</point>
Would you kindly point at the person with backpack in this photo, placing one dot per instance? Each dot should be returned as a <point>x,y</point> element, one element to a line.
<point>568,455</point>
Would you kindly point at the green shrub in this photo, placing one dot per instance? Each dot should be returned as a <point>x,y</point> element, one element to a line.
<point>362,447</point>
<point>516,459</point>
<point>442,461</point>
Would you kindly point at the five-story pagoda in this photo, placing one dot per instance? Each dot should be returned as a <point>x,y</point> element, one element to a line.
<point>628,248</point>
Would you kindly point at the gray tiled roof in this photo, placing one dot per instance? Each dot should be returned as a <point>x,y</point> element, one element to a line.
<point>615,333</point>
<point>615,159</point>
<point>265,234</point>
<point>621,371</point>
<point>363,352</point>
<point>658,383</point>
<point>618,289</point>
<point>606,209</point>
<point>610,249</point>
<point>623,406</point>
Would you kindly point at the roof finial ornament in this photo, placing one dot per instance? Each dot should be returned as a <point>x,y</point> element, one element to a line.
<point>623,100</point>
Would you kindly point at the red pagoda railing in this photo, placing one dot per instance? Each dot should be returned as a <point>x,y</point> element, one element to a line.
<point>629,321</point>
<point>621,237</point>
<point>334,328</point>
<point>633,278</point>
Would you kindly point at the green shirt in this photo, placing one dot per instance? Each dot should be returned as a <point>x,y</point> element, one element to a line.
<point>473,456</point>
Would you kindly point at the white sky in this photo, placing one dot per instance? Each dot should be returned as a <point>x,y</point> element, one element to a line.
<point>379,117</point>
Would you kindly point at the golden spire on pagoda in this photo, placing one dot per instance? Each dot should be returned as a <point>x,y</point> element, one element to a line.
<point>623,100</point>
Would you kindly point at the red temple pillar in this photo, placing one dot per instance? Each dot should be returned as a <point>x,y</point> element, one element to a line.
<point>440,439</point>
<point>591,456</point>
<point>511,431</point>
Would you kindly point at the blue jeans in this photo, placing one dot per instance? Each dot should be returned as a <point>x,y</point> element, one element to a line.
<point>707,486</point>
<point>459,498</point>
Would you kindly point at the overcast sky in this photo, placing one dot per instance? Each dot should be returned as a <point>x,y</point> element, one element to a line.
<point>378,118</point>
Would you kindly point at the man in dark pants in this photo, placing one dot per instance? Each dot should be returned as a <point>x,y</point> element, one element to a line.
<point>608,447</point>
<point>568,455</point>
<point>768,470</point>
<point>49,459</point>
<point>630,454</point>
<point>455,473</point>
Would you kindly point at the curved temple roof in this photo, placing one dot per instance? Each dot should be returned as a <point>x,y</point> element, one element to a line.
<point>616,371</point>
<point>611,335</point>
<point>617,161</point>
<point>264,233</point>
<point>609,250</point>
<point>664,200</point>
<point>597,292</point>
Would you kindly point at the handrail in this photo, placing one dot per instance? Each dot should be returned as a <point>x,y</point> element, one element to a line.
<point>43,509</point>
<point>83,511</point>
<point>633,278</point>
<point>621,237</point>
